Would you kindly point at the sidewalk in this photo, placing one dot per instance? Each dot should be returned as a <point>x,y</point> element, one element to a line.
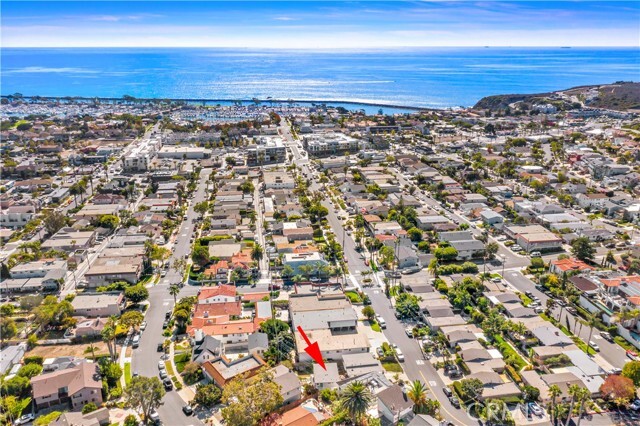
<point>186,393</point>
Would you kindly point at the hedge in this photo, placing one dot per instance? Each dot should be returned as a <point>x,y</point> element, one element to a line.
<point>35,359</point>
<point>514,374</point>
<point>457,388</point>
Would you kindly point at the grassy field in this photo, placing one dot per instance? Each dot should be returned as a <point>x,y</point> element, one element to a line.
<point>127,372</point>
<point>180,360</point>
<point>392,367</point>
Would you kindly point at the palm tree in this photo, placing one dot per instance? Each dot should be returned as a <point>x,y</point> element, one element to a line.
<point>418,394</point>
<point>174,290</point>
<point>592,321</point>
<point>109,336</point>
<point>356,400</point>
<point>551,305</point>
<point>554,393</point>
<point>583,396</point>
<point>574,391</point>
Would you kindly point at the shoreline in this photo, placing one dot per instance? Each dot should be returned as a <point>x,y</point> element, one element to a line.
<point>250,101</point>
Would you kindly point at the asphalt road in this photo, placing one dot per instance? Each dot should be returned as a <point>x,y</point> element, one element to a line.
<point>145,358</point>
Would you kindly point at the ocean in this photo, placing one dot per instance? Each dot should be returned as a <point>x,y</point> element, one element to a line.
<point>425,77</point>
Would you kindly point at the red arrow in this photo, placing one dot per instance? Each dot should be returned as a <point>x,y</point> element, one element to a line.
<point>313,350</point>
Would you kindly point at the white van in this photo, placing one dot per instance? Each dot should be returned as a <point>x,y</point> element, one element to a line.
<point>381,322</point>
<point>136,341</point>
<point>536,254</point>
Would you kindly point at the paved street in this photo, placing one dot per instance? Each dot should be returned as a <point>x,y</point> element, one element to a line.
<point>146,357</point>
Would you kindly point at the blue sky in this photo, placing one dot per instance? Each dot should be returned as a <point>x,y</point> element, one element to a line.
<point>307,24</point>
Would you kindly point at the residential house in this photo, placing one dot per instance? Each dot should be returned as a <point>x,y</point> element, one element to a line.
<point>222,370</point>
<point>394,404</point>
<point>74,387</point>
<point>102,305</point>
<point>290,386</point>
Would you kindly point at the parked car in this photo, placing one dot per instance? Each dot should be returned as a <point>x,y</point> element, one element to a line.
<point>136,341</point>
<point>154,416</point>
<point>635,405</point>
<point>447,391</point>
<point>572,310</point>
<point>163,374</point>
<point>631,354</point>
<point>380,352</point>
<point>536,409</point>
<point>165,324</point>
<point>168,384</point>
<point>160,347</point>
<point>25,419</point>
<point>143,325</point>
<point>594,346</point>
<point>606,336</point>
<point>381,322</point>
<point>409,332</point>
<point>454,401</point>
<point>187,410</point>
<point>161,365</point>
<point>399,355</point>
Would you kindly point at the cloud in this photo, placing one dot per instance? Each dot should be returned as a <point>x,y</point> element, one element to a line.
<point>118,18</point>
<point>285,18</point>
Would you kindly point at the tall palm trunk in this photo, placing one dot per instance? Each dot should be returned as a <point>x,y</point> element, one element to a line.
<point>582,403</point>
<point>569,414</point>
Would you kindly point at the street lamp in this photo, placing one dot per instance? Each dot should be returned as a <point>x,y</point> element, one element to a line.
<point>504,260</point>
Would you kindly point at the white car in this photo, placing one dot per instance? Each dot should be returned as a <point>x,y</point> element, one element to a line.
<point>143,325</point>
<point>399,355</point>
<point>25,419</point>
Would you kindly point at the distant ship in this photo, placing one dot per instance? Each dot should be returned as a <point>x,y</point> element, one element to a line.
<point>565,47</point>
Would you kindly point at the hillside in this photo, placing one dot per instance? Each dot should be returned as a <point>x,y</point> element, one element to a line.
<point>620,96</point>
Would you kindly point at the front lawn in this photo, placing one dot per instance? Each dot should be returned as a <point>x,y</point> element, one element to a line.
<point>375,326</point>
<point>392,367</point>
<point>180,360</point>
<point>508,352</point>
<point>127,373</point>
<point>353,296</point>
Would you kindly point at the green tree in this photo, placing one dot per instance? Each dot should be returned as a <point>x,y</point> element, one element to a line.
<point>136,293</point>
<point>583,249</point>
<point>200,255</point>
<point>418,394</point>
<point>631,370</point>
<point>108,221</point>
<point>8,328</point>
<point>531,393</point>
<point>7,310</point>
<point>257,252</point>
<point>13,407</point>
<point>201,207</point>
<point>130,420</point>
<point>249,402</point>
<point>174,290</point>
<point>414,234</point>
<point>369,313</point>
<point>144,394</point>
<point>207,395</point>
<point>471,389</point>
<point>355,400</point>
<point>30,370</point>
<point>111,371</point>
<point>407,305</point>
<point>445,253</point>
<point>554,393</point>
<point>88,408</point>
<point>54,221</point>
<point>537,263</point>
<point>131,319</point>
<point>491,249</point>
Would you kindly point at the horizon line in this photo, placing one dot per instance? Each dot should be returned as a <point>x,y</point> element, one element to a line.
<point>328,48</point>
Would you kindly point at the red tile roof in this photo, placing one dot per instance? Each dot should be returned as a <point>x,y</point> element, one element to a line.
<point>221,290</point>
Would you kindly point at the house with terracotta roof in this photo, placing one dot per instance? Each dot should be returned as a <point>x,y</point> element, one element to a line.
<point>74,387</point>
<point>221,293</point>
<point>218,272</point>
<point>562,266</point>
<point>224,328</point>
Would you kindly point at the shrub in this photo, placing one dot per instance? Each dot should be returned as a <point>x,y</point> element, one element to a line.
<point>35,359</point>
<point>514,374</point>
